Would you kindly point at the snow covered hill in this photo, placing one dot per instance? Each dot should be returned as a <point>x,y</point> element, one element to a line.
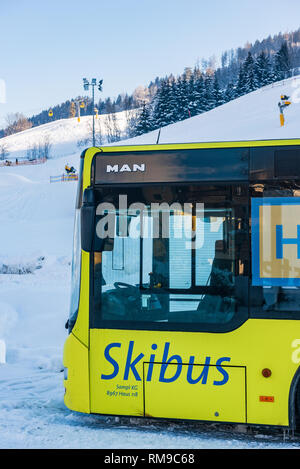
<point>64,135</point>
<point>36,220</point>
<point>251,117</point>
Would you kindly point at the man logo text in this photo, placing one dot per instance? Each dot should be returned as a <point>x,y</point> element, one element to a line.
<point>125,168</point>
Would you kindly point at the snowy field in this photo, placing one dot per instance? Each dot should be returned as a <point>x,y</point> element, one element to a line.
<point>35,254</point>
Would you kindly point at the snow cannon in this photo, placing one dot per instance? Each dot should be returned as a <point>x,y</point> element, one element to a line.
<point>284,102</point>
<point>70,169</point>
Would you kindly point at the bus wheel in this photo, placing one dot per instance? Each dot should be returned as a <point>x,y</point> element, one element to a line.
<point>297,409</point>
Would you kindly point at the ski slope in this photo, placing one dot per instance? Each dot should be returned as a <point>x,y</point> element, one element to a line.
<point>66,136</point>
<point>36,220</point>
<point>251,117</point>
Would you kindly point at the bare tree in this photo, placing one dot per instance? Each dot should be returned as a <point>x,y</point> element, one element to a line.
<point>34,152</point>
<point>98,132</point>
<point>42,150</point>
<point>16,123</point>
<point>28,154</point>
<point>141,95</point>
<point>4,153</point>
<point>86,142</point>
<point>131,117</point>
<point>112,129</point>
<point>46,147</point>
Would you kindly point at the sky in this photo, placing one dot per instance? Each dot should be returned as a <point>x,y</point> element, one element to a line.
<point>47,47</point>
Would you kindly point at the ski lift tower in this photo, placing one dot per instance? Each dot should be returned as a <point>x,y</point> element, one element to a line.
<point>86,86</point>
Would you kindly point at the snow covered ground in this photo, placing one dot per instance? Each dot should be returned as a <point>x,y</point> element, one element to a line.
<point>36,220</point>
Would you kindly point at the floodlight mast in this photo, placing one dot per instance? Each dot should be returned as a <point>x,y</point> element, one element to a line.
<point>86,85</point>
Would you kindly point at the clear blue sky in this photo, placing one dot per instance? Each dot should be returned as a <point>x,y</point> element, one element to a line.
<point>48,46</point>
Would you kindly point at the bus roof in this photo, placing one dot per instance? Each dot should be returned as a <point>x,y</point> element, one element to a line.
<point>199,145</point>
<point>212,161</point>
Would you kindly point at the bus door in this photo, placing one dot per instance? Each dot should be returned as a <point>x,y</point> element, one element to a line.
<point>170,279</point>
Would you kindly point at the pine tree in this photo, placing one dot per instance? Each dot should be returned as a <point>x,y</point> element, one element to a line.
<point>230,93</point>
<point>183,100</point>
<point>161,113</point>
<point>192,104</point>
<point>174,110</point>
<point>144,121</point>
<point>217,93</point>
<point>263,70</point>
<point>283,62</point>
<point>241,82</point>
<point>209,92</point>
<point>200,95</point>
<point>250,84</point>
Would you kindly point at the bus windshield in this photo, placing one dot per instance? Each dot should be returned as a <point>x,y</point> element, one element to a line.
<point>180,260</point>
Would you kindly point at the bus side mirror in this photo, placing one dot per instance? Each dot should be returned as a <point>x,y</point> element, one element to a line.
<point>89,241</point>
<point>87,215</point>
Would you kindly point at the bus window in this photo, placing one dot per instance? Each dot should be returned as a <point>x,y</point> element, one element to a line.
<point>75,273</point>
<point>174,267</point>
<point>276,293</point>
<point>76,258</point>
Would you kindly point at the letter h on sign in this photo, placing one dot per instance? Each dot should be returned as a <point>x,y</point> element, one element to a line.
<point>280,241</point>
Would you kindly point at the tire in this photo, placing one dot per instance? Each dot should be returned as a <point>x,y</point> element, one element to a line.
<point>297,409</point>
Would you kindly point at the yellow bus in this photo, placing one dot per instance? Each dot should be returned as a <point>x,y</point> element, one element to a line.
<point>185,298</point>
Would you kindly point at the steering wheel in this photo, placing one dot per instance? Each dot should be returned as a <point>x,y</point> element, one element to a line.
<point>122,286</point>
